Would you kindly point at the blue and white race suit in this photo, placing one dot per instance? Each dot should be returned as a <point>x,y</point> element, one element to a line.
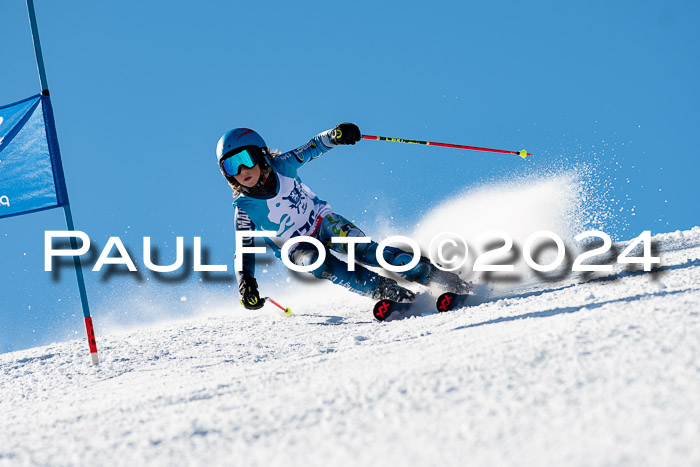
<point>294,210</point>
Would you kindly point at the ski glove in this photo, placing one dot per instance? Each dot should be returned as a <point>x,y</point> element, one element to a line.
<point>250,297</point>
<point>346,133</point>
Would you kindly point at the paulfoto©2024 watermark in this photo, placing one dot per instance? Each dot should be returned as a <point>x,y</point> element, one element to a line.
<point>448,251</point>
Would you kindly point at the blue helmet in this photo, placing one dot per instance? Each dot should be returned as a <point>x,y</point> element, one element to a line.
<point>238,138</point>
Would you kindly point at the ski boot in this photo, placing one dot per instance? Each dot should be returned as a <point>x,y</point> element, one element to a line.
<point>456,291</point>
<point>448,281</point>
<point>426,273</point>
<point>388,289</point>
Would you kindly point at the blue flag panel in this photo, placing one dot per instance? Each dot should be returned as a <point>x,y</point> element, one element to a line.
<point>31,174</point>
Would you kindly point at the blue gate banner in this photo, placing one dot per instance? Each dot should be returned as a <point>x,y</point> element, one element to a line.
<point>31,174</point>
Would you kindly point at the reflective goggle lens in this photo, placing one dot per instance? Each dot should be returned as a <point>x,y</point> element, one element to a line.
<point>232,164</point>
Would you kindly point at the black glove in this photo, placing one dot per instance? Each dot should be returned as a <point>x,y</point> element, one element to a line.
<point>346,133</point>
<point>250,297</point>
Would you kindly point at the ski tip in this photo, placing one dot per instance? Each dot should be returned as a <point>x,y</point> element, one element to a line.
<point>444,301</point>
<point>451,301</point>
<point>524,154</point>
<point>382,309</point>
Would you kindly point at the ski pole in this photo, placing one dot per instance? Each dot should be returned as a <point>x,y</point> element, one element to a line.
<point>522,153</point>
<point>285,311</point>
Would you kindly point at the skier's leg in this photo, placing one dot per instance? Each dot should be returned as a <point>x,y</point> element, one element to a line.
<point>424,272</point>
<point>335,225</point>
<point>361,280</point>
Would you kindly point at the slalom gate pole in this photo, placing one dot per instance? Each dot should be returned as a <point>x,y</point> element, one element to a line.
<point>522,153</point>
<point>285,311</point>
<point>92,343</point>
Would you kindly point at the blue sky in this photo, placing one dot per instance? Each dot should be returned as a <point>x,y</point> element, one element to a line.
<point>143,90</point>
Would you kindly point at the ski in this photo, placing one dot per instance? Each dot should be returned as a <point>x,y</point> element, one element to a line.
<point>451,301</point>
<point>445,302</point>
<point>383,308</point>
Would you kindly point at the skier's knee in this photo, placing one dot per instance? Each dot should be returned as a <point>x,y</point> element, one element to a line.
<point>306,255</point>
<point>303,255</point>
<point>367,253</point>
<point>396,256</point>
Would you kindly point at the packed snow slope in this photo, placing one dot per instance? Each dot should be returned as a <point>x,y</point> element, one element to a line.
<point>596,370</point>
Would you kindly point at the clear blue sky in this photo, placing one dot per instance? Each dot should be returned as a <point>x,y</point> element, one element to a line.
<point>143,90</point>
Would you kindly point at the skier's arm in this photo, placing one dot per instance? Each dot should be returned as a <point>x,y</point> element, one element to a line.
<point>247,285</point>
<point>244,224</point>
<point>345,133</point>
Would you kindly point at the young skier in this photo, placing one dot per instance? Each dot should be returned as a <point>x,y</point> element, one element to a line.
<point>269,195</point>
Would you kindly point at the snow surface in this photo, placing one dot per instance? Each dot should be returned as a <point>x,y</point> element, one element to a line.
<point>600,370</point>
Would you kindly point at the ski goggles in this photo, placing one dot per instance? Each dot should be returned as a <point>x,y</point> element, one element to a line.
<point>247,157</point>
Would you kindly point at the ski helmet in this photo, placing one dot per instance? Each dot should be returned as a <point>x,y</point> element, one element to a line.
<point>238,138</point>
